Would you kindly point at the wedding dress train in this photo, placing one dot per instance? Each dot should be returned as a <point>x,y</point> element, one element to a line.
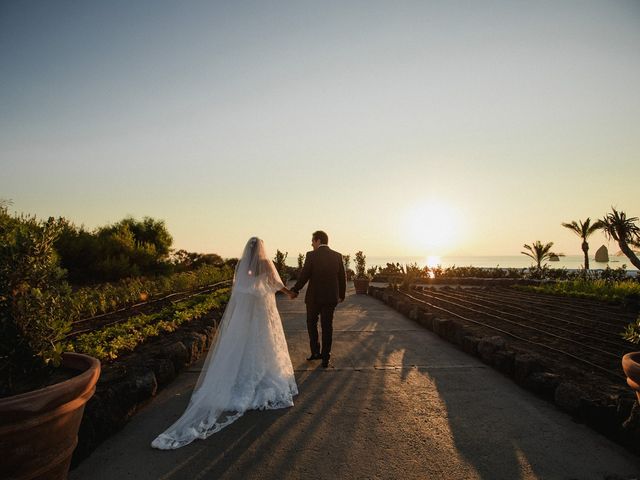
<point>248,366</point>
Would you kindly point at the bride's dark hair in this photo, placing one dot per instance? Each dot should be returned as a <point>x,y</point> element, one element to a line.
<point>254,243</point>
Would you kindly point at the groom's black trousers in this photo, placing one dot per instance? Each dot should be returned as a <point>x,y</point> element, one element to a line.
<point>325,312</point>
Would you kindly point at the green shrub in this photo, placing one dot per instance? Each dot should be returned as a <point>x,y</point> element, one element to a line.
<point>183,260</point>
<point>35,313</point>
<point>279,262</point>
<point>128,248</point>
<point>110,342</point>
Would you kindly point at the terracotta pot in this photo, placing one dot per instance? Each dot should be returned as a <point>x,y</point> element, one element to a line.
<point>631,367</point>
<point>361,285</point>
<point>39,429</point>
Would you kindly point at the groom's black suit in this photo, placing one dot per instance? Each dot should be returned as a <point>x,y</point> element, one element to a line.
<point>324,270</point>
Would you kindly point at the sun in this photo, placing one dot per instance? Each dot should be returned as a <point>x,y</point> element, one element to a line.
<point>432,227</point>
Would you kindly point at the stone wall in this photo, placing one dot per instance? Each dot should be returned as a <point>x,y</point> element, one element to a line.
<point>470,281</point>
<point>130,382</point>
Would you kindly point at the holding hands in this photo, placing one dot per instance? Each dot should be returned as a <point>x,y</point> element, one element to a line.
<point>290,293</point>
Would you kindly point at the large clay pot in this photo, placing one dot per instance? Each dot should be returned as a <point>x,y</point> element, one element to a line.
<point>631,367</point>
<point>39,429</point>
<point>361,285</point>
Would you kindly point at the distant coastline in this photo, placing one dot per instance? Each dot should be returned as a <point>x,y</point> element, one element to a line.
<point>570,262</point>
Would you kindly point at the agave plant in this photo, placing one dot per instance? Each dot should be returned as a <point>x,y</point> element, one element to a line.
<point>584,230</point>
<point>539,252</point>
<point>623,230</point>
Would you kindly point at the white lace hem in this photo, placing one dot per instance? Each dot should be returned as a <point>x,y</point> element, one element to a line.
<point>168,441</point>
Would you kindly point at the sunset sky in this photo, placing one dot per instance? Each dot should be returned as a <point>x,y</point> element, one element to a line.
<point>400,128</point>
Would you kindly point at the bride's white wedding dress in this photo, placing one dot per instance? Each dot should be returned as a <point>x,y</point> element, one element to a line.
<point>248,367</point>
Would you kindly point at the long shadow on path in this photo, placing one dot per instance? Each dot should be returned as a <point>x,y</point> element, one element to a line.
<point>400,403</point>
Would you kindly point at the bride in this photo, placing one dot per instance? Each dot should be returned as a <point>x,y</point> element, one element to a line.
<point>248,367</point>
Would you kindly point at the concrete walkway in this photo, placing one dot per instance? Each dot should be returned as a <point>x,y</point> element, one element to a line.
<point>399,403</point>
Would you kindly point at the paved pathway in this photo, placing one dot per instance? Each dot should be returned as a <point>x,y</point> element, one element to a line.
<point>399,403</point>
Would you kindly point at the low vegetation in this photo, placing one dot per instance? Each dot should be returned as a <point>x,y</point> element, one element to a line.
<point>110,342</point>
<point>623,291</point>
<point>398,272</point>
<point>632,332</point>
<point>38,304</point>
<point>107,297</point>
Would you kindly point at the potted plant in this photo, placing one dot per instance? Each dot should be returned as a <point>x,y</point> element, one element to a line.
<point>361,280</point>
<point>42,391</point>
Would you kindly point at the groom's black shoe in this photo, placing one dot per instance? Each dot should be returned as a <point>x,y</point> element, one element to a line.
<point>325,362</point>
<point>314,356</point>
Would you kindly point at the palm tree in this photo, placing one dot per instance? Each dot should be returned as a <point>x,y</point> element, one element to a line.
<point>539,252</point>
<point>623,230</point>
<point>584,230</point>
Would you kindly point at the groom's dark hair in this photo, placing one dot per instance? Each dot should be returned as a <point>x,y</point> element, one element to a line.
<point>320,235</point>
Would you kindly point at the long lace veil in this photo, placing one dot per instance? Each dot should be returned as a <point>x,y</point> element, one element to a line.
<point>220,394</point>
<point>255,274</point>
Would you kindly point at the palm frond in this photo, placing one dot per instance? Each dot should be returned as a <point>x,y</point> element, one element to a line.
<point>538,251</point>
<point>583,228</point>
<point>573,226</point>
<point>616,225</point>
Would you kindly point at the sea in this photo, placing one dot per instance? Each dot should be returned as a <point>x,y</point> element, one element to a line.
<point>570,262</point>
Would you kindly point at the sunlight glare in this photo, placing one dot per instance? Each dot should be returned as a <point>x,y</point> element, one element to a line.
<point>433,261</point>
<point>432,226</point>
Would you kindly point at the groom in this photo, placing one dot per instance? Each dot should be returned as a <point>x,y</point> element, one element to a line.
<point>324,270</point>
